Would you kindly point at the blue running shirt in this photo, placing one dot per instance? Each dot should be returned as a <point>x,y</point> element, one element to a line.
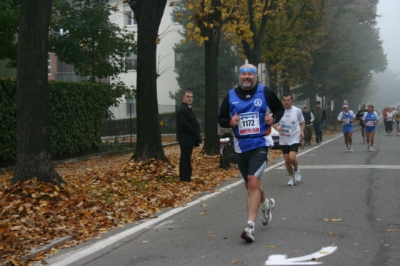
<point>251,131</point>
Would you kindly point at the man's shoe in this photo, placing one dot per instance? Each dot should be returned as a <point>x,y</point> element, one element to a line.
<point>248,234</point>
<point>371,148</point>
<point>297,176</point>
<point>291,182</point>
<point>267,212</point>
<point>351,149</point>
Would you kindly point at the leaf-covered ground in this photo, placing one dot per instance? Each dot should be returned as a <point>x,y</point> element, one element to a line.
<point>100,194</point>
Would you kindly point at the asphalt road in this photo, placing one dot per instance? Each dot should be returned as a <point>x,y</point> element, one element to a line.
<point>345,211</point>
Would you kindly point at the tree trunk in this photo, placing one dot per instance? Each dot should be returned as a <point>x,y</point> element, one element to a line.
<point>34,152</point>
<point>148,14</point>
<point>211,143</point>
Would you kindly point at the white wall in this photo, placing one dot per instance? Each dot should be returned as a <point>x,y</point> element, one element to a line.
<point>169,35</point>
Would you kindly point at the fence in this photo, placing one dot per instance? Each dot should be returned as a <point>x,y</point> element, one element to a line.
<point>118,134</point>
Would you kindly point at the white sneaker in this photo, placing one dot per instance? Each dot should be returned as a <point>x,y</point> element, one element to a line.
<point>291,182</point>
<point>351,149</point>
<point>371,148</point>
<point>248,234</point>
<point>297,176</point>
<point>267,212</point>
<point>347,149</point>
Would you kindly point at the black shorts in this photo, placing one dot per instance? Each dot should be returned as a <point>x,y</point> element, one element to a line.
<point>288,148</point>
<point>252,162</point>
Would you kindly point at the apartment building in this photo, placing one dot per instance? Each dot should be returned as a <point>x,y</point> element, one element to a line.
<point>166,82</point>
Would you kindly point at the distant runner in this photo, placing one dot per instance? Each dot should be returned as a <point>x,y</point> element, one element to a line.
<point>359,116</point>
<point>370,120</point>
<point>346,117</point>
<point>291,132</point>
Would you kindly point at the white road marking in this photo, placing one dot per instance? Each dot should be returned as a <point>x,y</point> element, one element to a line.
<point>281,259</point>
<point>362,166</point>
<point>75,255</point>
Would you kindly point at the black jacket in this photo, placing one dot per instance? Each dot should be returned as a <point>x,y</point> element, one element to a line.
<point>273,101</point>
<point>188,129</point>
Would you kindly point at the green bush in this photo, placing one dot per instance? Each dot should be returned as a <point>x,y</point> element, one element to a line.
<point>77,110</point>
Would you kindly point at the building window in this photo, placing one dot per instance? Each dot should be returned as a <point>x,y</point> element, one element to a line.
<point>131,62</point>
<point>48,64</point>
<point>129,17</point>
<point>178,58</point>
<point>130,107</point>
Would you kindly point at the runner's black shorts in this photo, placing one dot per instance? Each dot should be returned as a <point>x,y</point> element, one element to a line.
<point>288,148</point>
<point>252,162</point>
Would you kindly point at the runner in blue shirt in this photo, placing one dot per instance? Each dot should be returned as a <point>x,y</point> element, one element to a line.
<point>346,118</point>
<point>250,110</point>
<point>370,120</point>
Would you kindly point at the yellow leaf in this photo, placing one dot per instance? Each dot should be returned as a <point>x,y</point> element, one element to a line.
<point>190,25</point>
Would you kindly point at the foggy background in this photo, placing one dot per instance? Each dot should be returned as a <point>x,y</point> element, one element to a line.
<point>384,89</point>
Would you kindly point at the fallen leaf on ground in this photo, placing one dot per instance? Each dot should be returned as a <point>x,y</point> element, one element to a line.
<point>100,194</point>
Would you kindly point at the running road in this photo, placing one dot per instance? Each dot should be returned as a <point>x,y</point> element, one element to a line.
<point>345,211</point>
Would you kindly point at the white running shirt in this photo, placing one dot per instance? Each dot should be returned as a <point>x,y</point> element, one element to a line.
<point>290,123</point>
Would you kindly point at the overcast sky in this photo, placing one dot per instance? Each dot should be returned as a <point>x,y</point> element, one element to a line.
<point>389,25</point>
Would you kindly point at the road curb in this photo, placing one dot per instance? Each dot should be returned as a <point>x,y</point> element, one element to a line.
<point>35,251</point>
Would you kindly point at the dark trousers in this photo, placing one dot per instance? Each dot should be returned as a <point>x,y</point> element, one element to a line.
<point>308,134</point>
<point>388,126</point>
<point>185,163</point>
<point>318,132</point>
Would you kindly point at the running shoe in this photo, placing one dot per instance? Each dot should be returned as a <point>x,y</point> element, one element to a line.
<point>267,212</point>
<point>351,149</point>
<point>347,149</point>
<point>371,148</point>
<point>291,182</point>
<point>297,176</point>
<point>248,234</point>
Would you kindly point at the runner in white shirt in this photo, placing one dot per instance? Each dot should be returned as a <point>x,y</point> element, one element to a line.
<point>291,132</point>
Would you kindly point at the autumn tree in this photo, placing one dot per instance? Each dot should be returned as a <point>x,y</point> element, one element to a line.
<point>348,53</point>
<point>191,64</point>
<point>34,155</point>
<point>148,14</point>
<point>208,19</point>
<point>289,41</point>
<point>81,34</point>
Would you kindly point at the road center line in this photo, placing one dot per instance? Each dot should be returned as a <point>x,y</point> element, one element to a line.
<point>334,167</point>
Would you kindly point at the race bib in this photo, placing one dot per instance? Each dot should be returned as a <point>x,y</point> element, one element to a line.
<point>249,123</point>
<point>347,121</point>
<point>370,123</point>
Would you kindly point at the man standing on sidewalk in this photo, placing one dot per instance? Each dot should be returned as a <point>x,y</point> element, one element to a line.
<point>250,109</point>
<point>188,132</point>
<point>308,130</point>
<point>319,118</point>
